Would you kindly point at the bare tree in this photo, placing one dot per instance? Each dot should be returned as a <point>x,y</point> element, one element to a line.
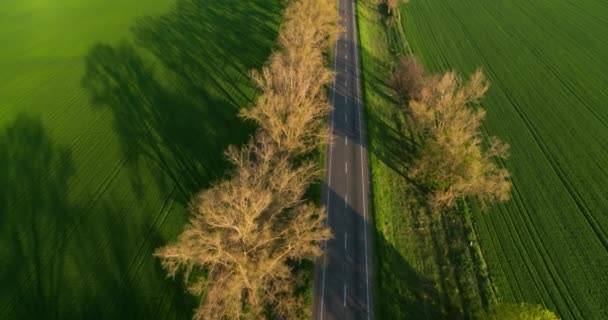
<point>409,80</point>
<point>309,23</point>
<point>243,234</point>
<point>452,161</point>
<point>292,106</point>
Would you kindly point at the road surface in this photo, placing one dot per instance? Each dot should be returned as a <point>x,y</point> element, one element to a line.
<point>343,284</point>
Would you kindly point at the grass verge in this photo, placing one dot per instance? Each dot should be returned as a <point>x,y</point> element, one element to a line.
<point>425,265</point>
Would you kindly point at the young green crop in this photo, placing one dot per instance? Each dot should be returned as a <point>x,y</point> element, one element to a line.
<point>112,113</point>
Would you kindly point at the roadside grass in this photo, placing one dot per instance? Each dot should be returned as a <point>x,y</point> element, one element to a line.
<point>548,65</point>
<point>109,122</point>
<point>424,265</point>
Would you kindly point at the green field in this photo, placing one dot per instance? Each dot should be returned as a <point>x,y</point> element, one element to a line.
<point>548,64</point>
<point>112,114</point>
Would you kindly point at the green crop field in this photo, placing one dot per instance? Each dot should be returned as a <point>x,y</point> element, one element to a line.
<point>112,114</point>
<point>548,64</point>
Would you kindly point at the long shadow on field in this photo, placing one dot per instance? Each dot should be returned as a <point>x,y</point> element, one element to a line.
<point>395,144</point>
<point>406,294</point>
<point>176,111</point>
<point>34,176</point>
<point>57,265</point>
<point>127,285</point>
<point>62,259</point>
<point>396,150</point>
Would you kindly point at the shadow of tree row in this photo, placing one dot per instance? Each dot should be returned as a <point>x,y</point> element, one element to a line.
<point>181,112</point>
<point>51,269</point>
<point>26,156</point>
<point>174,95</point>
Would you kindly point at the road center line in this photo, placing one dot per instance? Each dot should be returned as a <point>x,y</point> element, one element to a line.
<point>346,140</point>
<point>346,201</point>
<point>346,167</point>
<point>345,295</point>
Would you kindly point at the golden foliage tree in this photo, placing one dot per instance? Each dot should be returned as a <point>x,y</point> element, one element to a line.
<point>244,232</point>
<point>292,106</point>
<point>291,109</point>
<point>453,160</point>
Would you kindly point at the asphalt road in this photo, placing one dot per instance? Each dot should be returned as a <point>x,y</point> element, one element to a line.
<point>343,283</point>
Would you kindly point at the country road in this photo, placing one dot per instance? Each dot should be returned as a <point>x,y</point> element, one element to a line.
<point>343,279</point>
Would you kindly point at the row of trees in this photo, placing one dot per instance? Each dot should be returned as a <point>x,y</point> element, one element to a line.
<point>453,160</point>
<point>247,232</point>
<point>293,105</point>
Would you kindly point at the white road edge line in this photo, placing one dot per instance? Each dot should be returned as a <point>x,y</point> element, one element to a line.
<point>357,97</point>
<point>333,99</point>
